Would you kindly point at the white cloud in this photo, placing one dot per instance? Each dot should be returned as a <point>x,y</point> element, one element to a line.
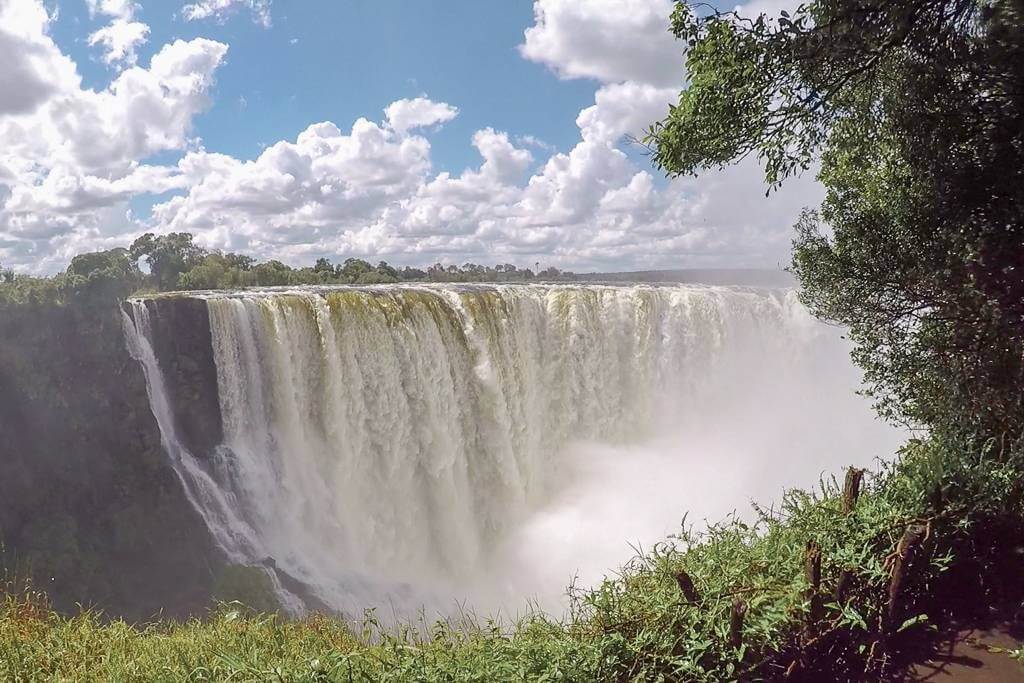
<point>369,192</point>
<point>30,71</point>
<point>120,38</point>
<point>123,35</point>
<point>297,192</point>
<point>119,9</point>
<point>71,158</point>
<point>624,109</point>
<point>534,141</point>
<point>607,40</point>
<point>405,115</point>
<point>220,10</point>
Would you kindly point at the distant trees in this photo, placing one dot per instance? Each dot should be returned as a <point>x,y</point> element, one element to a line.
<point>114,262</point>
<point>218,271</point>
<point>408,273</point>
<point>272,274</point>
<point>176,262</point>
<point>111,274</point>
<point>324,269</point>
<point>168,256</point>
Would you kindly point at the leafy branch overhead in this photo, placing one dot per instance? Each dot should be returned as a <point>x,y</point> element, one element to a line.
<point>912,113</point>
<point>777,86</point>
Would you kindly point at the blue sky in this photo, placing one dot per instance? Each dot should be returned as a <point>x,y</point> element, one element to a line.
<point>353,58</point>
<point>239,121</point>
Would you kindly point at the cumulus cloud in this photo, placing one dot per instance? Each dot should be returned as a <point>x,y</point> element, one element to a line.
<point>220,10</point>
<point>626,108</point>
<point>607,40</point>
<point>120,39</point>
<point>420,112</point>
<point>123,35</point>
<point>29,73</point>
<point>297,192</point>
<point>121,9</point>
<point>370,192</point>
<point>71,158</point>
<point>625,45</point>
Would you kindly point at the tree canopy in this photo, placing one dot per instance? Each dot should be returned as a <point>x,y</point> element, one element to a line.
<point>913,112</point>
<point>176,262</point>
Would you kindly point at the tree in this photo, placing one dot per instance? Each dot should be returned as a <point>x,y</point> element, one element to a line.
<point>375,277</point>
<point>168,256</point>
<point>102,275</point>
<point>387,271</point>
<point>353,268</point>
<point>913,110</point>
<point>211,273</point>
<point>409,273</point>
<point>324,267</point>
<point>117,262</point>
<point>272,274</point>
<point>239,261</point>
<point>437,273</point>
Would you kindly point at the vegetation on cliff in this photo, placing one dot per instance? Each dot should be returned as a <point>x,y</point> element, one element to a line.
<point>175,262</point>
<point>91,509</point>
<point>670,614</point>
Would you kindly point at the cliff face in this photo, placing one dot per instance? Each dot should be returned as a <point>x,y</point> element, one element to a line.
<point>89,506</point>
<point>181,341</point>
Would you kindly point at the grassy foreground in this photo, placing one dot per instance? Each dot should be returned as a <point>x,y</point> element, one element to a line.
<point>808,590</point>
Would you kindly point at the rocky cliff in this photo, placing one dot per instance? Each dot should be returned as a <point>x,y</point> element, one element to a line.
<point>90,509</point>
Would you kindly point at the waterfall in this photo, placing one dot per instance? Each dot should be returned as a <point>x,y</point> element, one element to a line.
<point>380,443</point>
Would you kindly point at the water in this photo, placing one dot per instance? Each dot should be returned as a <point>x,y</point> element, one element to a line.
<point>401,446</point>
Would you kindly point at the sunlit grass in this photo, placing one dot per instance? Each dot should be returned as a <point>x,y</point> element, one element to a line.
<point>637,625</point>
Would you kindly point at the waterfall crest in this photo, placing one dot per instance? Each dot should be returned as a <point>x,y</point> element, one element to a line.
<point>382,441</point>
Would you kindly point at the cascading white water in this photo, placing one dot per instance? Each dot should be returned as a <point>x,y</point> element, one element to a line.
<point>383,444</point>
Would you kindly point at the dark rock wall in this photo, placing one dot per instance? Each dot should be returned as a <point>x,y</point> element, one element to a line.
<point>90,508</point>
<point>183,347</point>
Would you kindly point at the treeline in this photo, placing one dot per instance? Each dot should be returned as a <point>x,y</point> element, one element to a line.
<point>175,262</point>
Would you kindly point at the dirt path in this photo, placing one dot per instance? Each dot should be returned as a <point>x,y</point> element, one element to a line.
<point>965,658</point>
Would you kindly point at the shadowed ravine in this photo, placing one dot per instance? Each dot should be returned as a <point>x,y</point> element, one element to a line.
<point>403,446</point>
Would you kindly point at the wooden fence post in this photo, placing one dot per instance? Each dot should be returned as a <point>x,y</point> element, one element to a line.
<point>906,549</point>
<point>851,489</point>
<point>812,572</point>
<point>843,585</point>
<point>736,615</point>
<point>686,586</point>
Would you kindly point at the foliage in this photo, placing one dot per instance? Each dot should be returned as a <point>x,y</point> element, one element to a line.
<point>636,625</point>
<point>92,279</point>
<point>915,110</point>
<point>176,262</point>
<point>168,256</point>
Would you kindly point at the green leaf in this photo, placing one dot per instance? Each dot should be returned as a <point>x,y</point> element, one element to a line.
<point>920,618</point>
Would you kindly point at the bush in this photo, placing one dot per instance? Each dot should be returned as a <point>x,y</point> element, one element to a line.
<point>665,616</point>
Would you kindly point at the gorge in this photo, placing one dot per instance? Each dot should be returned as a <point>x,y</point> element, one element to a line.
<point>415,445</point>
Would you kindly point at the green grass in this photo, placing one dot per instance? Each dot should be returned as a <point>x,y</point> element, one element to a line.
<point>636,625</point>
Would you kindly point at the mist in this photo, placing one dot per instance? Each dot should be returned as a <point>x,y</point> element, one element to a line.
<point>444,448</point>
<point>759,425</point>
